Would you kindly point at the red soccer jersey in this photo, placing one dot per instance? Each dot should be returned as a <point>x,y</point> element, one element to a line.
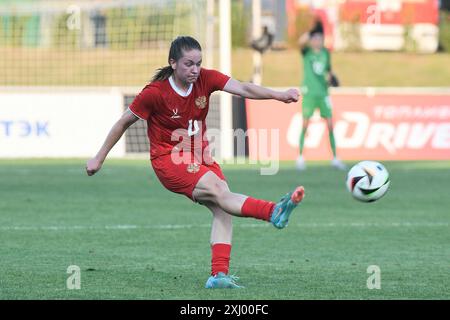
<point>174,119</point>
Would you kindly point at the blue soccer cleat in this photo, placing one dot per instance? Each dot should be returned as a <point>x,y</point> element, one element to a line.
<point>283,209</point>
<point>222,281</point>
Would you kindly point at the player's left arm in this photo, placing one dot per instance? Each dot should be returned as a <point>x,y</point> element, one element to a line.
<point>253,91</point>
<point>328,66</point>
<point>331,77</point>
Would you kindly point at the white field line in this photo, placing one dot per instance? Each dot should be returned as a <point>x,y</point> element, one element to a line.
<point>255,225</point>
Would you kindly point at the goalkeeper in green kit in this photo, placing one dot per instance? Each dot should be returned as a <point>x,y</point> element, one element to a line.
<point>317,78</point>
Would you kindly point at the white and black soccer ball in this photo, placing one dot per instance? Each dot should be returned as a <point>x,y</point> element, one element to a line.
<point>368,181</point>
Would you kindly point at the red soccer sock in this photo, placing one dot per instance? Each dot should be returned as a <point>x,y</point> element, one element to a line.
<point>258,209</point>
<point>220,260</point>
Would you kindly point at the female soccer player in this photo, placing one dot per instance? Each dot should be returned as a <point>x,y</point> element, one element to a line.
<point>175,105</point>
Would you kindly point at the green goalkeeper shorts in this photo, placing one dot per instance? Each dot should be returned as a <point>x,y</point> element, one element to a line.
<point>311,103</point>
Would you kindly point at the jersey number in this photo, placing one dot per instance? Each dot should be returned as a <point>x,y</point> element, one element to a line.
<point>318,67</point>
<point>193,130</point>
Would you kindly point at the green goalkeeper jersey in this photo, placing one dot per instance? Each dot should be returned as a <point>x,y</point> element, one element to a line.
<point>316,66</point>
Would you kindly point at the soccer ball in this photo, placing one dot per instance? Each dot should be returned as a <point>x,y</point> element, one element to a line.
<point>368,181</point>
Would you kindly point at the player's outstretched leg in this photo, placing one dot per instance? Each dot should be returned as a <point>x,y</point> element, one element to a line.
<point>211,189</point>
<point>283,209</point>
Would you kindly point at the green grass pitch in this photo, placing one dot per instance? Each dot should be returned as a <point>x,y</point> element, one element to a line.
<point>132,239</point>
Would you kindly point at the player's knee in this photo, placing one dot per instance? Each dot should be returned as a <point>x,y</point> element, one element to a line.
<point>305,125</point>
<point>211,191</point>
<point>217,191</point>
<point>330,126</point>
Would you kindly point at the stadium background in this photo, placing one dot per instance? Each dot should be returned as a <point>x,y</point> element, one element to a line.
<point>68,69</point>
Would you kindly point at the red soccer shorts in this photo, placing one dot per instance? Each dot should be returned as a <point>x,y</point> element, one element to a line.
<point>183,178</point>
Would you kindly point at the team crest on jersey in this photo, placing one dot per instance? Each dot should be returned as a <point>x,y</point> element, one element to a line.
<point>200,102</point>
<point>193,167</point>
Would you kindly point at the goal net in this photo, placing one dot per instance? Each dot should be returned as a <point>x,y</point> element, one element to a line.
<point>87,43</point>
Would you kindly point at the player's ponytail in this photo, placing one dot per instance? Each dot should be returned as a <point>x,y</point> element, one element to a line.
<point>181,43</point>
<point>162,74</point>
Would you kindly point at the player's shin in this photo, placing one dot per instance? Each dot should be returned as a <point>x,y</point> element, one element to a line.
<point>302,140</point>
<point>258,209</point>
<point>332,143</point>
<point>221,234</point>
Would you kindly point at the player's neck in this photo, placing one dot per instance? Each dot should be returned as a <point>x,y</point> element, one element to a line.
<point>184,86</point>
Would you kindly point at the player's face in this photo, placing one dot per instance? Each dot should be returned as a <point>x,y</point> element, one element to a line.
<point>317,41</point>
<point>187,68</point>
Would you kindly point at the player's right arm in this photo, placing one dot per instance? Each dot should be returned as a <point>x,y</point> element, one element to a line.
<point>303,42</point>
<point>116,132</point>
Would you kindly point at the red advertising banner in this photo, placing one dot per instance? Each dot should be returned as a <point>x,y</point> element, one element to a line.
<point>390,11</point>
<point>375,127</point>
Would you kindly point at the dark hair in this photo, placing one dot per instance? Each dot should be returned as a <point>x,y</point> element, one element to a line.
<point>177,46</point>
<point>317,29</point>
